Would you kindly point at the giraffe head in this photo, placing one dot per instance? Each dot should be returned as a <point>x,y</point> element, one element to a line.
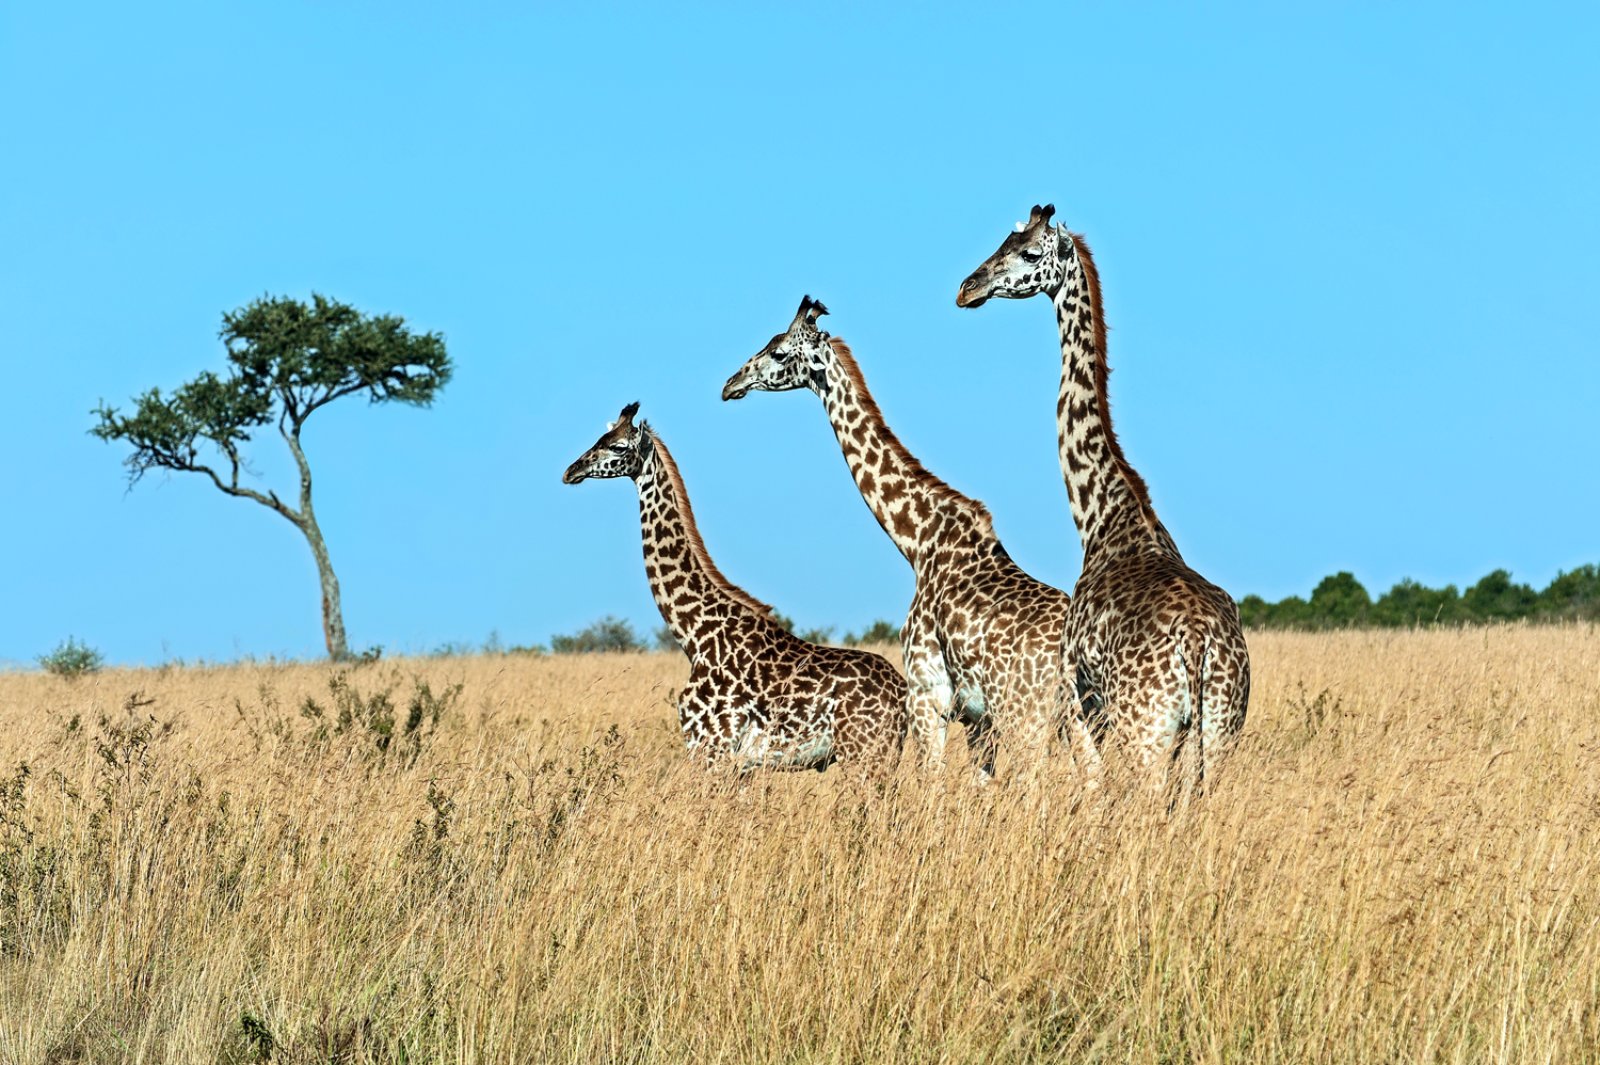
<point>795,358</point>
<point>618,452</point>
<point>1027,262</point>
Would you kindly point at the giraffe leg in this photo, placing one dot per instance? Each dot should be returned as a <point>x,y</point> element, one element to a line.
<point>1215,682</point>
<point>1177,762</point>
<point>1085,752</point>
<point>928,689</point>
<point>1159,739</point>
<point>929,708</point>
<point>1227,695</point>
<point>1026,710</point>
<point>1081,713</point>
<point>1028,744</point>
<point>981,744</point>
<point>1186,759</point>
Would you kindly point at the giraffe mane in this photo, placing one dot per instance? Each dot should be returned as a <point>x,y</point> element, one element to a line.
<point>938,490</point>
<point>1102,370</point>
<point>691,528</point>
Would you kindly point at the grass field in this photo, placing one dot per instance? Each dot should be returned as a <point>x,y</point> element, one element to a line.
<point>507,859</point>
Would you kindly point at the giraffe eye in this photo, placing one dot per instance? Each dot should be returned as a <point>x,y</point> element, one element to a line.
<point>1033,254</point>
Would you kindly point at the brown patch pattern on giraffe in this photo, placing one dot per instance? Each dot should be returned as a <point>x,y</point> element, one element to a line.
<point>1153,647</point>
<point>982,638</point>
<point>756,695</point>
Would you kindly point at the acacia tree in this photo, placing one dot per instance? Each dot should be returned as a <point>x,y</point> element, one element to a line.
<point>286,360</point>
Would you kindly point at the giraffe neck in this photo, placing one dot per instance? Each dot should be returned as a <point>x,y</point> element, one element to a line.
<point>689,590</point>
<point>904,497</point>
<point>1110,503</point>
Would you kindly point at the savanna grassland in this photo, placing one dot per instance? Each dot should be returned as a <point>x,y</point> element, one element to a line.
<point>508,859</point>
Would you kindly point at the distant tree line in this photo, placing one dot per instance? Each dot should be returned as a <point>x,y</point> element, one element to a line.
<point>617,634</point>
<point>1340,602</point>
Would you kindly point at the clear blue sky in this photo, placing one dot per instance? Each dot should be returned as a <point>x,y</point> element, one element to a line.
<point>1349,256</point>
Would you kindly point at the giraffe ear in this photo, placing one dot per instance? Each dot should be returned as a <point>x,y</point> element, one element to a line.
<point>1041,214</point>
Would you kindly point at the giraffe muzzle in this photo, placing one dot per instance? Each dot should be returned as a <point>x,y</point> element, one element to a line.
<point>735,388</point>
<point>971,293</point>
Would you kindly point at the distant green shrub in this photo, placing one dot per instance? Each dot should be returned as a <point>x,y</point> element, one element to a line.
<point>879,631</point>
<point>820,634</point>
<point>493,647</point>
<point>607,634</point>
<point>666,641</point>
<point>72,658</point>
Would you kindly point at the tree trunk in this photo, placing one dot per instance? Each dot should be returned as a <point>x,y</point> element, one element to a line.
<point>306,520</point>
<point>332,612</point>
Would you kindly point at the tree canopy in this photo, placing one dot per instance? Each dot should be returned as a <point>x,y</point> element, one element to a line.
<point>287,360</point>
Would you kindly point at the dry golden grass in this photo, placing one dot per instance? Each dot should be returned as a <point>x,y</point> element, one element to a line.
<point>1400,864</point>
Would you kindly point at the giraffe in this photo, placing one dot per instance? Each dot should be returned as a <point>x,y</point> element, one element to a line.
<point>982,639</point>
<point>1154,648</point>
<point>756,695</point>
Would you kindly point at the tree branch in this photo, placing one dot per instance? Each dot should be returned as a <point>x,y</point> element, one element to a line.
<point>270,500</point>
<point>332,394</point>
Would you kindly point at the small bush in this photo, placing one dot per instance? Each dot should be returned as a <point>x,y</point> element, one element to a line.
<point>879,631</point>
<point>373,721</point>
<point>493,647</point>
<point>821,634</point>
<point>257,1038</point>
<point>72,658</point>
<point>607,634</point>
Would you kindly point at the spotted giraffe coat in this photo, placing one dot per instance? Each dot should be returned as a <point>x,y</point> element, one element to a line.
<point>1153,649</point>
<point>756,695</point>
<point>982,638</point>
